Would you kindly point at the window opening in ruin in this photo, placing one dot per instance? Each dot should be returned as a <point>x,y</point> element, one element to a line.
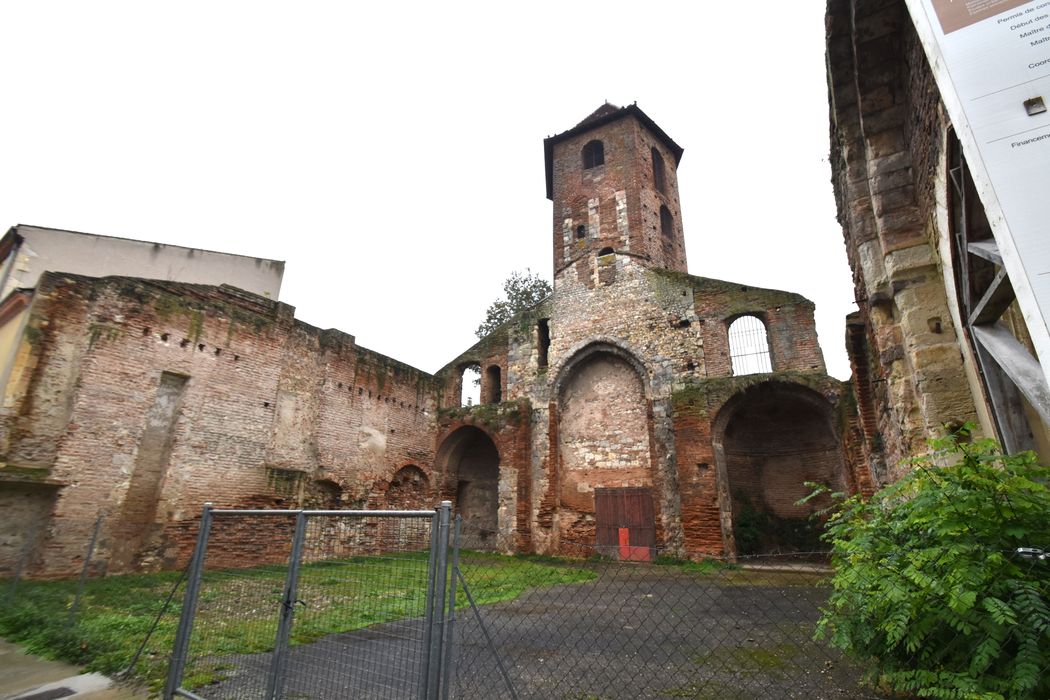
<point>581,232</point>
<point>495,384</point>
<point>658,171</point>
<point>749,346</point>
<point>593,154</point>
<point>543,332</point>
<point>992,319</point>
<point>605,251</point>
<point>666,222</point>
<point>321,494</point>
<point>470,385</point>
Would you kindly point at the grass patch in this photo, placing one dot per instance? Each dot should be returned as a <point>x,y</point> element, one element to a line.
<point>704,566</point>
<point>238,610</point>
<point>750,660</point>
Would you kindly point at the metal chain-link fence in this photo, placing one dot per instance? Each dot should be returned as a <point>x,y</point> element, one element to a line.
<point>343,605</point>
<point>600,628</point>
<point>376,606</point>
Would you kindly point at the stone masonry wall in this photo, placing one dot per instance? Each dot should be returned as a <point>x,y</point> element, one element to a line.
<point>659,327</point>
<point>886,130</point>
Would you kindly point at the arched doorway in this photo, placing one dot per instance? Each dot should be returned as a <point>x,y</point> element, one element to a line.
<point>470,462</point>
<point>769,442</point>
<point>605,472</point>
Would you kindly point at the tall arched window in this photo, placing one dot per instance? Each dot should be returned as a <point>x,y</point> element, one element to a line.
<point>470,385</point>
<point>658,171</point>
<point>749,346</point>
<point>494,384</point>
<point>593,154</point>
<point>666,222</point>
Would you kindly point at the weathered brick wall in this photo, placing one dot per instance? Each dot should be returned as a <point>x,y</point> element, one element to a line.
<point>603,440</point>
<point>270,405</point>
<point>925,123</point>
<point>790,326</point>
<point>25,507</point>
<point>759,437</point>
<point>697,478</point>
<point>617,203</point>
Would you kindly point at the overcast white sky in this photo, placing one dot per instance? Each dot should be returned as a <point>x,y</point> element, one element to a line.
<point>392,154</point>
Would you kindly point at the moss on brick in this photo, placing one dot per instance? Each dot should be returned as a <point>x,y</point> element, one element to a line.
<point>492,415</point>
<point>699,398</point>
<point>10,472</point>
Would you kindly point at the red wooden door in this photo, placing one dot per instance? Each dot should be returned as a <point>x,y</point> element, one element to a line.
<point>626,527</point>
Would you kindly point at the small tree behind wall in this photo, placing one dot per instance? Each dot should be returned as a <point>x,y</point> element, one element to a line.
<point>521,291</point>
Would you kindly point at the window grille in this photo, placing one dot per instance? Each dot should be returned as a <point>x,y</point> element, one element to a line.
<point>749,346</point>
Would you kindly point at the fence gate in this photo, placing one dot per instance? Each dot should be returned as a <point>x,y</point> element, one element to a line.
<point>314,604</point>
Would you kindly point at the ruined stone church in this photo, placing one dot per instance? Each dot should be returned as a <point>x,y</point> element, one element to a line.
<point>639,409</point>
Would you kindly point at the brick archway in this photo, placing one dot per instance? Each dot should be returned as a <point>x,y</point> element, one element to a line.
<point>604,442</point>
<point>469,460</point>
<point>769,440</point>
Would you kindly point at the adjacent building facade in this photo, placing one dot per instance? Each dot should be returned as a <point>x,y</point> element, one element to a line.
<point>940,338</point>
<point>637,408</point>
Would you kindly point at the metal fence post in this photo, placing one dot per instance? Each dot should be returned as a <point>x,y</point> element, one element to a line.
<point>438,619</point>
<point>428,615</point>
<point>27,550</point>
<point>275,684</point>
<point>189,607</point>
<point>84,570</point>
<point>448,669</point>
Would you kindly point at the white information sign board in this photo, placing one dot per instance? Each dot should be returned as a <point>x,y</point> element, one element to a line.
<point>991,60</point>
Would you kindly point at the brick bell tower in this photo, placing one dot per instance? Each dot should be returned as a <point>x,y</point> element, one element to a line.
<point>612,179</point>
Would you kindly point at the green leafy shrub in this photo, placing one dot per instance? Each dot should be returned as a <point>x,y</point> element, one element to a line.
<point>929,585</point>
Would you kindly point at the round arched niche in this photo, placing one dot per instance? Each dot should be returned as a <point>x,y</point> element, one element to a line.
<point>603,442</point>
<point>322,494</point>
<point>409,489</point>
<point>771,440</point>
<point>470,460</point>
